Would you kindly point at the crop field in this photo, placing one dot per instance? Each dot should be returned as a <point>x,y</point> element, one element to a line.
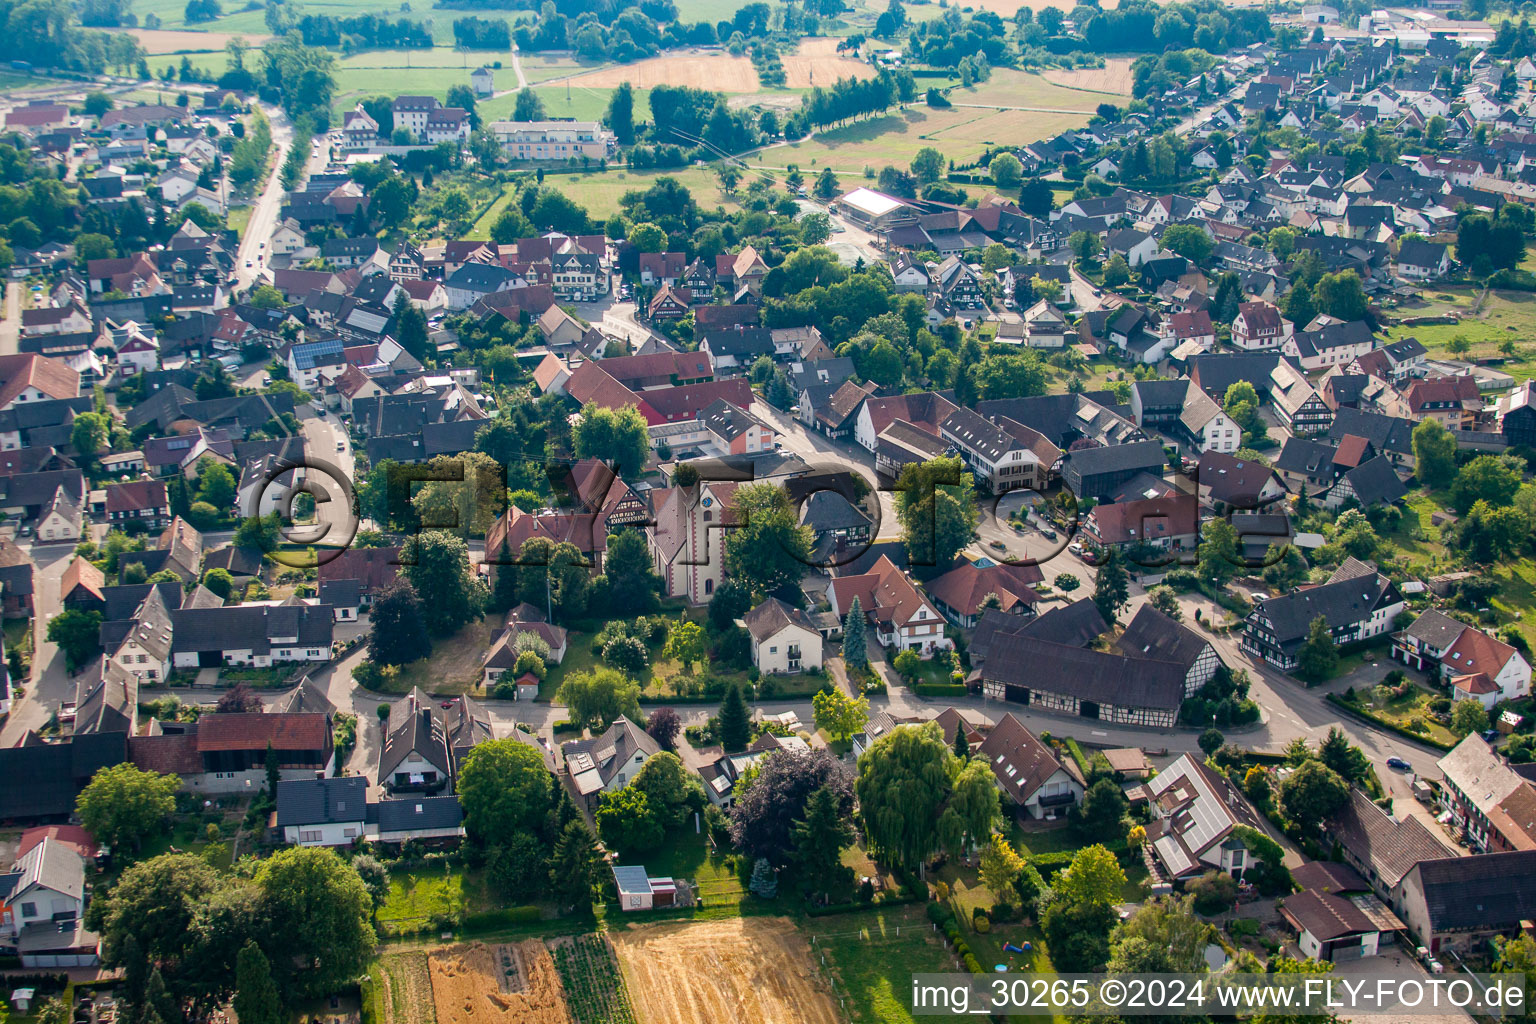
<point>755,970</point>
<point>815,63</point>
<point>504,984</point>
<point>595,989</point>
<point>161,40</point>
<point>1113,77</point>
<point>407,989</point>
<point>538,67</point>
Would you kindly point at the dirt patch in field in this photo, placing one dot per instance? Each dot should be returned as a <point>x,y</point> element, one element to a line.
<point>744,970</point>
<point>1114,76</point>
<point>817,62</point>
<point>508,984</point>
<point>699,69</point>
<point>165,40</point>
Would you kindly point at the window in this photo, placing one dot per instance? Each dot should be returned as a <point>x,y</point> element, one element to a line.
<point>309,835</point>
<point>29,910</point>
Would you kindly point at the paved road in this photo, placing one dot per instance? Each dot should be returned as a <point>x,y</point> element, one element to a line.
<point>328,444</point>
<point>263,222</point>
<point>50,685</point>
<point>10,327</point>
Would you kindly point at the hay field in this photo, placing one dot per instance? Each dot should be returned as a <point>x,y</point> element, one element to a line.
<point>1010,88</point>
<point>701,69</point>
<point>164,40</point>
<point>817,62</point>
<point>1005,127</point>
<point>1113,77</point>
<point>507,984</point>
<point>754,970</point>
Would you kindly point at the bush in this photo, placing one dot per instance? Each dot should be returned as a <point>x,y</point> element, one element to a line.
<point>981,923</point>
<point>564,725</point>
<point>939,913</point>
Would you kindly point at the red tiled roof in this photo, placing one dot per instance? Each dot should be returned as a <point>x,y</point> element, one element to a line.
<point>1350,451</point>
<point>1475,652</point>
<point>174,754</point>
<point>52,377</point>
<point>301,731</point>
<point>135,495</point>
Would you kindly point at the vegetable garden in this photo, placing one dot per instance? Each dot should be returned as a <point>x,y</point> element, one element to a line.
<point>594,986</point>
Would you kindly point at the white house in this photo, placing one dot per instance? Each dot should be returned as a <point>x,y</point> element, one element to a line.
<point>1039,784</point>
<point>902,617</point>
<point>784,639</point>
<point>611,761</point>
<point>1195,811</point>
<point>323,812</point>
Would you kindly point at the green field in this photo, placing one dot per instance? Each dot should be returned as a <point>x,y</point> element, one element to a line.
<point>872,957</point>
<point>600,192</point>
<point>417,896</point>
<point>1010,88</point>
<point>578,102</point>
<point>1503,315</point>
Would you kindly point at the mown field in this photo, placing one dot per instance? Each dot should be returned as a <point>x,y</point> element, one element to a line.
<point>1503,315</point>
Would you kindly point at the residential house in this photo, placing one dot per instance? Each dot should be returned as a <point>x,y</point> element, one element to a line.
<point>138,504</point>
<point>784,639</point>
<point>1357,603</point>
<point>1486,798</point>
<point>962,592</point>
<point>1259,326</point>
<point>1097,472</point>
<point>1197,813</point>
<point>1001,459</point>
<point>1162,524</point>
<point>323,812</point>
<point>903,618</point>
<point>1154,636</point>
<point>1038,785</point>
<point>609,762</point>
<point>1066,679</point>
<point>42,908</point>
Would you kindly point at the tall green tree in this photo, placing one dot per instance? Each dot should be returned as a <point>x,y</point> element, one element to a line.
<point>1111,585</point>
<point>397,631</point>
<point>621,114</point>
<point>437,562</point>
<point>575,867</point>
<point>1434,454</point>
<point>122,805</point>
<point>855,651</point>
<point>321,909</point>
<point>905,779</point>
<point>936,508</point>
<point>735,720</point>
<point>619,436</point>
<point>819,841</point>
<point>768,548</point>
<point>256,998</point>
<point>410,327</point>
<point>1318,655</point>
<point>506,791</point>
<point>1311,793</point>
<point>598,698</point>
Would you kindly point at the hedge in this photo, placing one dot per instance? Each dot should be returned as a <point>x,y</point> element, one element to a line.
<point>940,689</point>
<point>564,725</point>
<point>1382,723</point>
<point>491,920</point>
<point>848,908</point>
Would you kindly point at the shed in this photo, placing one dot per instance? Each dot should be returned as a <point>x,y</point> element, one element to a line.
<point>639,891</point>
<point>527,686</point>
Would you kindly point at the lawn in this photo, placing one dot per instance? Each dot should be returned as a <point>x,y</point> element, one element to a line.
<point>454,665</point>
<point>1010,88</point>
<point>1517,598</point>
<point>189,835</point>
<point>1417,538</point>
<point>238,219</point>
<point>581,103</point>
<point>722,885</point>
<point>872,956</point>
<point>1505,315</point>
<point>418,896</point>
<point>1401,710</point>
<point>962,133</point>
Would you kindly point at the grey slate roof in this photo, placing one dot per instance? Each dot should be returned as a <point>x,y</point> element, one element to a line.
<point>322,801</point>
<point>1435,628</point>
<point>1340,603</point>
<point>1153,635</point>
<point>1489,892</point>
<point>406,814</point>
<point>772,616</point>
<point>1083,673</point>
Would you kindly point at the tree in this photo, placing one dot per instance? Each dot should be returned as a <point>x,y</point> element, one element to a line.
<point>1078,933</point>
<point>1517,955</point>
<point>1189,241</point>
<point>1318,655</point>
<point>838,714</point>
<point>1111,585</point>
<point>648,237</point>
<point>1210,741</point>
<point>1286,965</point>
<point>411,326</point>
<point>1490,478</point>
<point>78,635</point>
<point>974,801</point>
<point>627,821</point>
<point>239,700</point>
<point>122,806</point>
<point>1468,716</point>
<point>437,562</point>
<point>576,865</point>
<point>619,436</point>
<point>1036,198</point>
<point>598,698</point>
<point>904,779</point>
<point>1219,558</point>
<point>1007,172</point>
<point>1116,271</point>
<point>529,106</point>
<point>621,114</point>
<point>1311,793</point>
<point>215,484</point>
<point>1341,295</point>
<point>1001,866</point>
<point>1166,601</point>
<point>321,908</point>
<point>768,548</point>
<point>936,508</point>
<point>1067,582</point>
<point>89,434</point>
<point>1213,892</point>
<point>907,663</point>
<point>663,726</point>
<point>1103,810</point>
<point>1094,877</point>
<point>256,998</point>
<point>1168,923</point>
<point>374,875</point>
<point>855,651</point>
<point>673,790</point>
<point>261,533</point>
<point>505,790</point>
<point>1434,453</point>
<point>826,186</point>
<point>735,720</point>
<point>928,165</point>
<point>397,633</point>
<point>819,840</point>
<point>685,643</point>
<point>1338,753</point>
<point>763,818</point>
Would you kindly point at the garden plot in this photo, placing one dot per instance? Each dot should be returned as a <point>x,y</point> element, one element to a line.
<point>743,970</point>
<point>505,984</point>
<point>407,988</point>
<point>594,985</point>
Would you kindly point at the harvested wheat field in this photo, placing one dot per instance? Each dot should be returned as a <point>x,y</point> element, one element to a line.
<point>700,69</point>
<point>742,971</point>
<point>508,984</point>
<point>1114,76</point>
<point>165,40</point>
<point>817,62</point>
